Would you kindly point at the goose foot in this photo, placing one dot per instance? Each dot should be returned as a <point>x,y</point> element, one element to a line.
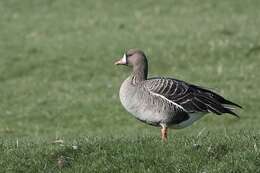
<point>164,131</point>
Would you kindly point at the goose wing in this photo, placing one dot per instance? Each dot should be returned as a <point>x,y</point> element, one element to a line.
<point>188,97</point>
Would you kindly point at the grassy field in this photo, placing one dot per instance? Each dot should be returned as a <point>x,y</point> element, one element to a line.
<point>59,103</point>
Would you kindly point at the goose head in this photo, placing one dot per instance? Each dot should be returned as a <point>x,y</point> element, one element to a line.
<point>136,59</point>
<point>132,57</point>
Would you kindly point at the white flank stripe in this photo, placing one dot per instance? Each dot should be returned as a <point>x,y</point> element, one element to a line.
<point>159,95</point>
<point>228,107</point>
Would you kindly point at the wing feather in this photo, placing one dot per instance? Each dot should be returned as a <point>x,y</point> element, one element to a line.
<point>190,98</point>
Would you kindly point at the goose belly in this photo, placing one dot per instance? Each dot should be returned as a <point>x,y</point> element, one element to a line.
<point>140,111</point>
<point>192,118</point>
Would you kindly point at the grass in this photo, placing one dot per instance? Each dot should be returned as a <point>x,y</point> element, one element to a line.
<point>58,81</point>
<point>208,153</point>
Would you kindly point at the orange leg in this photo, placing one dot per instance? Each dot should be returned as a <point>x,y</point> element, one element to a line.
<point>164,131</point>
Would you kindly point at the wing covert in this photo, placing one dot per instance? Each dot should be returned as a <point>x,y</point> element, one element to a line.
<point>189,97</point>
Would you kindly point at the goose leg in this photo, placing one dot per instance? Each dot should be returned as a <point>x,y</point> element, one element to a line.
<point>164,131</point>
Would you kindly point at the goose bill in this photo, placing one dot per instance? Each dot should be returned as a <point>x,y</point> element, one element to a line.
<point>122,61</point>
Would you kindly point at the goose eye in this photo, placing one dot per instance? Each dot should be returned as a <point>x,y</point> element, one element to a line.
<point>128,54</point>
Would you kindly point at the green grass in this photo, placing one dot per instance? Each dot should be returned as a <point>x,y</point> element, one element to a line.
<point>207,153</point>
<point>58,81</point>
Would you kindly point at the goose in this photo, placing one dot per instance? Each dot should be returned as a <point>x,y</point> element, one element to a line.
<point>166,102</point>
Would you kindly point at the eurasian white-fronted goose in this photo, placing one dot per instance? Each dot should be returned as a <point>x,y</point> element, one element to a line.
<point>166,102</point>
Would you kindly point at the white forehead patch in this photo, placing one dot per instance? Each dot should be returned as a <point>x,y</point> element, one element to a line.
<point>124,59</point>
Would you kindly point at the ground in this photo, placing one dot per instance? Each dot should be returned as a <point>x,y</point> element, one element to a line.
<point>59,103</point>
